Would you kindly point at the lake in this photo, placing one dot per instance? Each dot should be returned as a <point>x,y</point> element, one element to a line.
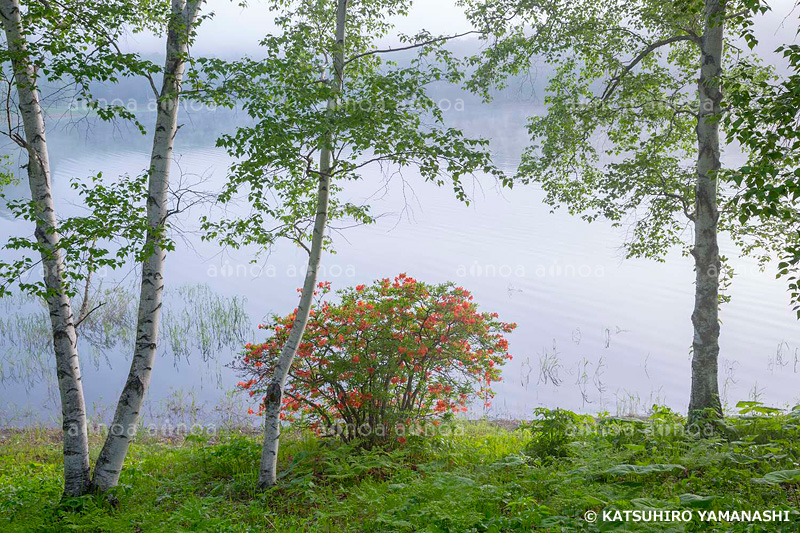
<point>595,332</point>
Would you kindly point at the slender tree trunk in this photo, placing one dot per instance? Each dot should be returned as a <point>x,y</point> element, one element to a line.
<point>73,407</point>
<point>272,423</point>
<point>705,384</point>
<point>126,418</point>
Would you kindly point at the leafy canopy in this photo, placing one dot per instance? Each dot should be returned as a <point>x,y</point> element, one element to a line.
<point>384,118</point>
<point>765,121</point>
<point>74,47</point>
<point>618,140</point>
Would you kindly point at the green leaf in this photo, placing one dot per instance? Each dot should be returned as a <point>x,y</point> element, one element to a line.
<point>696,501</point>
<point>644,470</point>
<point>778,477</point>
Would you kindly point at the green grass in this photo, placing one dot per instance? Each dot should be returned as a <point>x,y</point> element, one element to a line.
<point>485,478</point>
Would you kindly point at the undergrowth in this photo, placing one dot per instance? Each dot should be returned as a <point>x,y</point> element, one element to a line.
<point>542,476</point>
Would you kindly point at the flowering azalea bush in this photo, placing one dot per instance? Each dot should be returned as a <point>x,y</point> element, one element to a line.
<point>387,356</point>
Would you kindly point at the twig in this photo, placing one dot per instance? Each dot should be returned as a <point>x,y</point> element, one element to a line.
<point>84,317</point>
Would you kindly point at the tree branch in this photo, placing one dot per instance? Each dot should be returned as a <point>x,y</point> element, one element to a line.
<point>84,317</point>
<point>413,46</point>
<point>616,80</point>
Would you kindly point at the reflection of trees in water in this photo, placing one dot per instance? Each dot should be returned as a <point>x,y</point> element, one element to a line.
<point>196,320</point>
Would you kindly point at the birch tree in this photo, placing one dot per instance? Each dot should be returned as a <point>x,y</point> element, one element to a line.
<point>632,130</point>
<point>184,15</point>
<point>76,443</point>
<point>76,45</point>
<point>272,422</point>
<point>327,107</point>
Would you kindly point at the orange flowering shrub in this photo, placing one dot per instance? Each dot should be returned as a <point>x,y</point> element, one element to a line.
<point>388,355</point>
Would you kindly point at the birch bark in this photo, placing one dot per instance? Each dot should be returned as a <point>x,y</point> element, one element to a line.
<point>272,423</point>
<point>126,418</point>
<point>73,407</point>
<point>705,318</point>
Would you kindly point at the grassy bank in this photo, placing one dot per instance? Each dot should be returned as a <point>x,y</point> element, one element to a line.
<point>483,477</point>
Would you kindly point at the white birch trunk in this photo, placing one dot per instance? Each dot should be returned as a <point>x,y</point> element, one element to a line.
<point>272,423</point>
<point>705,318</point>
<point>126,418</point>
<point>73,407</point>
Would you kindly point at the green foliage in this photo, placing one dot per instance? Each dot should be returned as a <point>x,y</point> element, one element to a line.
<point>779,477</point>
<point>553,431</point>
<point>7,177</point>
<point>384,118</point>
<point>746,408</point>
<point>74,48</point>
<point>642,470</point>
<point>76,44</point>
<point>476,478</point>
<point>618,138</point>
<point>764,121</point>
<point>615,139</point>
<point>112,231</point>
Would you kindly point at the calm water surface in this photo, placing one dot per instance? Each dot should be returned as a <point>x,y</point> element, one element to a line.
<point>596,332</point>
